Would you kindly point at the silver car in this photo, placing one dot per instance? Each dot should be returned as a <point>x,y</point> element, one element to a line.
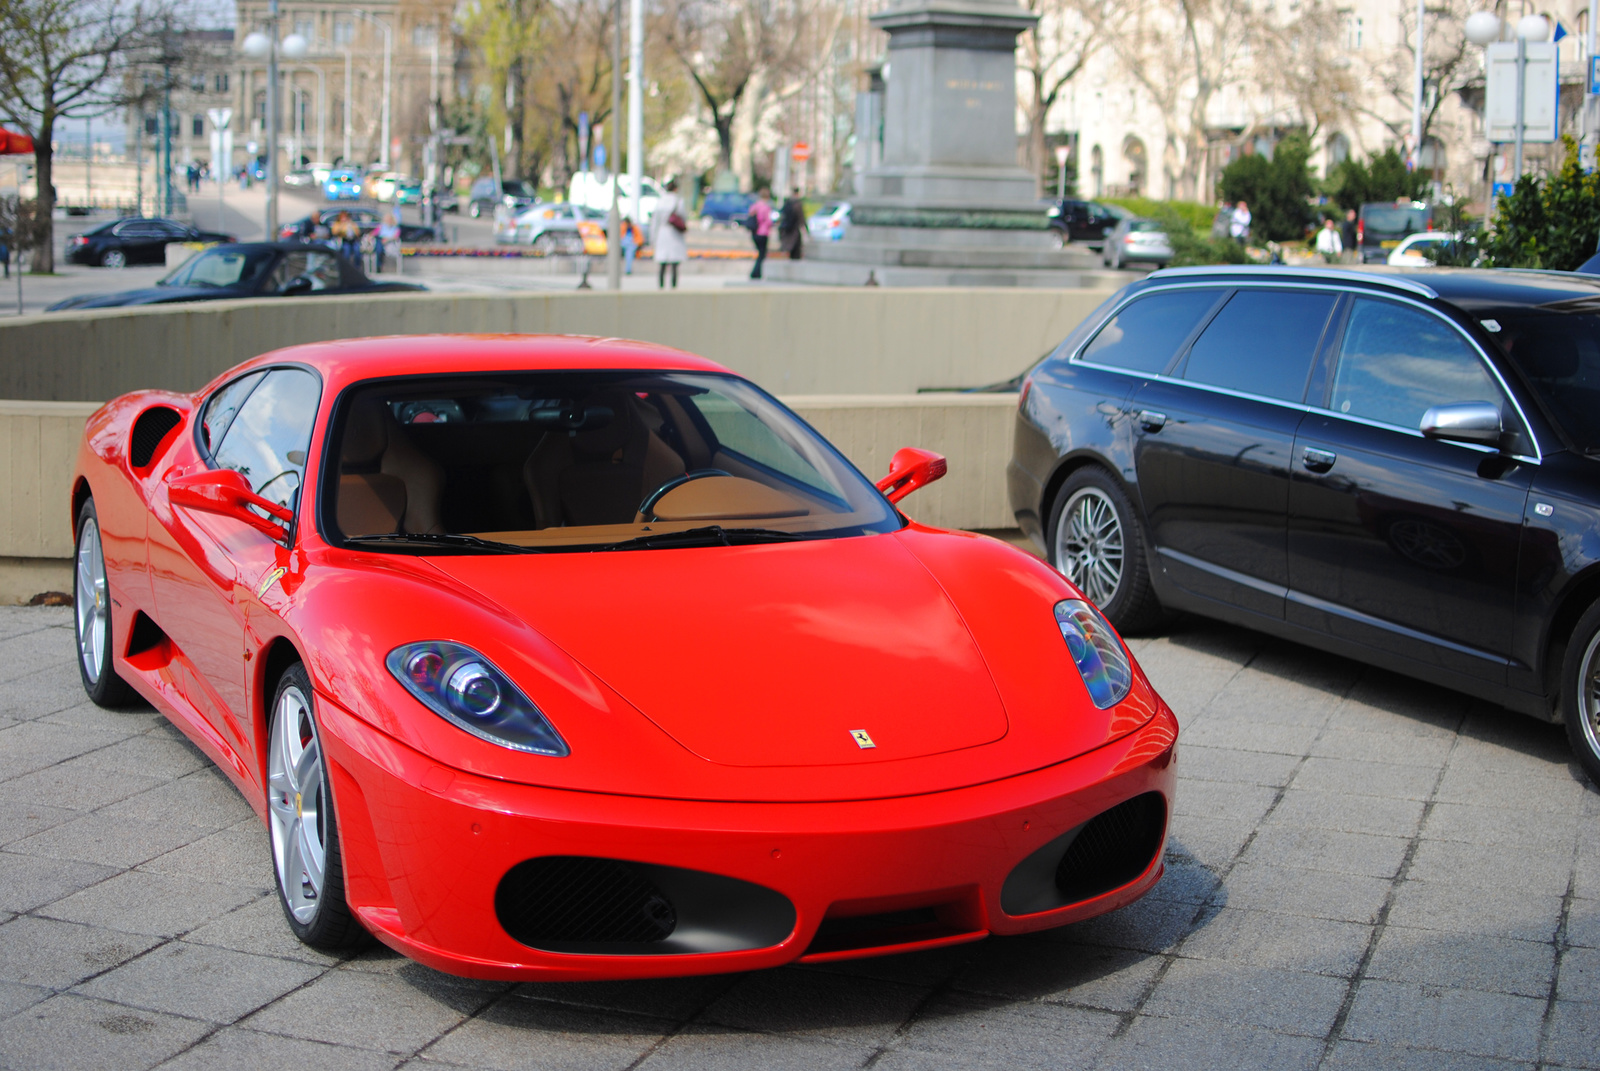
<point>1136,239</point>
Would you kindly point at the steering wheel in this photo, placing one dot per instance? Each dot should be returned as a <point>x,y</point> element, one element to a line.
<point>647,508</point>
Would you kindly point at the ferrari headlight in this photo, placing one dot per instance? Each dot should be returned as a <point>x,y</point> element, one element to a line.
<point>1100,657</point>
<point>463,687</point>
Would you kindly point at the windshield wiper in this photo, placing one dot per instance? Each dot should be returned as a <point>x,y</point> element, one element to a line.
<point>446,539</point>
<point>713,535</point>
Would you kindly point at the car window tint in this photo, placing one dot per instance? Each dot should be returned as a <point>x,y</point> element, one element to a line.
<point>1396,362</point>
<point>738,430</point>
<point>1144,336</point>
<point>224,406</point>
<point>268,440</point>
<point>1262,342</point>
<point>321,268</point>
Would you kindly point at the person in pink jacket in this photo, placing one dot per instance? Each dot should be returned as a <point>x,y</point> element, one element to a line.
<point>760,224</point>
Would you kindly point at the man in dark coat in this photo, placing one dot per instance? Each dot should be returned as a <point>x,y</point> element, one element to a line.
<point>792,225</point>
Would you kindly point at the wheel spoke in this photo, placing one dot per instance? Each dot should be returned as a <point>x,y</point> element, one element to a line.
<point>311,857</point>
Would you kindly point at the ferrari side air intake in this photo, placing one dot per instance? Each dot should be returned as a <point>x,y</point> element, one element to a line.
<point>1107,852</point>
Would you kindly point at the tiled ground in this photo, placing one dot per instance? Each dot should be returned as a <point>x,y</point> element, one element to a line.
<point>1364,872</point>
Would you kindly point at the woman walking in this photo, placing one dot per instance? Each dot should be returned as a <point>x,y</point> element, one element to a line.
<point>760,229</point>
<point>667,226</point>
<point>792,225</point>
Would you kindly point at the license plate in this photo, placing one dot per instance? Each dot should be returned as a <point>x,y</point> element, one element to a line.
<point>1389,244</point>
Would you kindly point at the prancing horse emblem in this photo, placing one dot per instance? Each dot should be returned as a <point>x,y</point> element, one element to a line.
<point>862,739</point>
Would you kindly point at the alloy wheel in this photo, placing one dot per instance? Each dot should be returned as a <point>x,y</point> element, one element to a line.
<point>297,805</point>
<point>90,601</point>
<point>1589,695</point>
<point>1089,544</point>
<point>114,258</point>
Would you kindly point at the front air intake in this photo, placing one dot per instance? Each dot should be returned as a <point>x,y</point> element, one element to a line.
<point>1107,852</point>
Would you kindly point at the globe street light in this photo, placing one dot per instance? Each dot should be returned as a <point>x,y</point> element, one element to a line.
<point>266,46</point>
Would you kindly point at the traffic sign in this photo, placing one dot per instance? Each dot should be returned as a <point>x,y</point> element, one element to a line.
<point>1538,94</point>
<point>1503,189</point>
<point>1594,74</point>
<point>800,153</point>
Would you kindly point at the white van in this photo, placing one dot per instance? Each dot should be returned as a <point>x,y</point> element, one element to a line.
<point>592,192</point>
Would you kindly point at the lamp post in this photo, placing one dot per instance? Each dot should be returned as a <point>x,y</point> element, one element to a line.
<point>1484,28</point>
<point>266,46</point>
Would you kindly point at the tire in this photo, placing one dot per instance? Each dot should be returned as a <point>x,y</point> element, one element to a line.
<point>1097,542</point>
<point>305,839</point>
<point>473,210</point>
<point>1059,238</point>
<point>1580,691</point>
<point>113,258</point>
<point>91,616</point>
<point>544,245</point>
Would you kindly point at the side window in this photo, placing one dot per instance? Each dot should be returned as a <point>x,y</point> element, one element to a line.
<point>223,407</point>
<point>1262,342</point>
<point>1395,362</point>
<point>1145,335</point>
<point>323,269</point>
<point>290,267</point>
<point>268,440</point>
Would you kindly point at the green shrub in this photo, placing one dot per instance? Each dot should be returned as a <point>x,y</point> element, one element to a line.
<point>1383,177</point>
<point>1192,246</point>
<point>1197,215</point>
<point>1550,222</point>
<point>1278,190</point>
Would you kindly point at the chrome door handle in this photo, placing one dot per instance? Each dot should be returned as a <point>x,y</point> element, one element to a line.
<point>1152,421</point>
<point>1318,460</point>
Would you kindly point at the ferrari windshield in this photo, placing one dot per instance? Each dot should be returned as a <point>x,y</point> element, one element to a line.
<point>583,461</point>
<point>1559,356</point>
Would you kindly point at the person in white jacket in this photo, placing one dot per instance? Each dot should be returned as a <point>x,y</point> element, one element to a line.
<point>1329,244</point>
<point>667,226</point>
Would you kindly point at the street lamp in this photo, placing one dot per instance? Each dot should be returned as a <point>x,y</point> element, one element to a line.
<point>1483,28</point>
<point>266,46</point>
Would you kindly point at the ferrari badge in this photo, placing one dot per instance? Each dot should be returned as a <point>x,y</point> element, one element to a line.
<point>862,738</point>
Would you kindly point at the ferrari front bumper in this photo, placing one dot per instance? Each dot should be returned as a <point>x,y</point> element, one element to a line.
<point>426,848</point>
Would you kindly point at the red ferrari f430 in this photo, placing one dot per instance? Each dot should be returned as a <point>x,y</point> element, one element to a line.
<point>563,658</point>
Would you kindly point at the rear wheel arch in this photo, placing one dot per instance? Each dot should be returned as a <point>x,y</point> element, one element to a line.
<point>1064,471</point>
<point>80,495</point>
<point>1582,593</point>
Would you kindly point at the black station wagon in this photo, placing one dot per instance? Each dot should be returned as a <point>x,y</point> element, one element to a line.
<point>1399,468</point>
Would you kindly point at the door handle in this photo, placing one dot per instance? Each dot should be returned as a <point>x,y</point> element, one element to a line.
<point>1318,460</point>
<point>1152,421</point>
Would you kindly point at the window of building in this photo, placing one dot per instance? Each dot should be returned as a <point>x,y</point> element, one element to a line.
<point>222,82</point>
<point>197,83</point>
<point>424,35</point>
<point>305,27</point>
<point>152,125</point>
<point>344,31</point>
<point>1354,30</point>
<point>199,127</point>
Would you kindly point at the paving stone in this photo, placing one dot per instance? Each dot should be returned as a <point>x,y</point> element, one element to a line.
<point>152,756</point>
<point>1464,906</point>
<point>1580,975</point>
<point>1285,1002</point>
<point>514,1033</point>
<point>37,695</point>
<point>25,654</point>
<point>369,1011</point>
<point>707,1048</point>
<point>852,1010</point>
<point>1452,1020</point>
<point>1511,791</point>
<point>1224,799</point>
<point>1242,735</point>
<point>1091,976</point>
<point>1313,893</point>
<point>109,841</point>
<point>200,981</point>
<point>1574,1038</point>
<point>1214,842</point>
<point>155,904</point>
<point>670,998</point>
<point>1484,865</point>
<point>1583,923</point>
<point>31,746</point>
<point>1221,764</point>
<point>238,1049</point>
<point>28,882</point>
<point>14,997</point>
<point>1359,1055</point>
<point>1347,776</point>
<point>75,785</point>
<point>241,855</point>
<point>1389,703</point>
<point>259,927</point>
<point>21,818</point>
<point>1367,746</point>
<point>1156,1042</point>
<point>1147,925</point>
<point>1524,831</point>
<point>57,955</point>
<point>1288,942</point>
<point>142,719</point>
<point>1347,814</point>
<point>1463,961</point>
<point>964,1031</point>
<point>72,1032</point>
<point>923,970</point>
<point>1327,849</point>
<point>204,798</point>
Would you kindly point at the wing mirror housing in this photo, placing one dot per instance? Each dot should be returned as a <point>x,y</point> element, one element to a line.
<point>910,469</point>
<point>1464,422</point>
<point>225,493</point>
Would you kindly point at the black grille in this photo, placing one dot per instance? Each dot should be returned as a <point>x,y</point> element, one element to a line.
<point>571,898</point>
<point>1113,848</point>
<point>148,431</point>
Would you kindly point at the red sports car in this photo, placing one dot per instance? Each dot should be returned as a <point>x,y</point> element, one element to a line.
<point>565,658</point>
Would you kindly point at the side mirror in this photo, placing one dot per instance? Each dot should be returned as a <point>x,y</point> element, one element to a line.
<point>910,469</point>
<point>225,492</point>
<point>300,284</point>
<point>1464,422</point>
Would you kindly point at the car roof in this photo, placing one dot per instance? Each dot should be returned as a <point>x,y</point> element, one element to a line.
<point>1471,289</point>
<point>346,361</point>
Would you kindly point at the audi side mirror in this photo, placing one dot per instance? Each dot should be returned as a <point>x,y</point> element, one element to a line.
<point>224,492</point>
<point>1464,422</point>
<point>910,469</point>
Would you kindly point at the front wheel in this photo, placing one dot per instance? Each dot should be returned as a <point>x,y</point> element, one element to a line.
<point>1097,542</point>
<point>544,245</point>
<point>306,860</point>
<point>91,613</point>
<point>1580,692</point>
<point>113,258</point>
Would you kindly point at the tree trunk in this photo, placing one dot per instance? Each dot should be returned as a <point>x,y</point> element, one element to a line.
<point>742,133</point>
<point>43,260</point>
<point>1035,154</point>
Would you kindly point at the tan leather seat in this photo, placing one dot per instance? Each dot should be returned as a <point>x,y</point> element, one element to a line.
<point>600,476</point>
<point>385,483</point>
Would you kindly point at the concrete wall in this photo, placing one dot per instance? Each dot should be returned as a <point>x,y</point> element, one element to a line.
<point>39,441</point>
<point>791,341</point>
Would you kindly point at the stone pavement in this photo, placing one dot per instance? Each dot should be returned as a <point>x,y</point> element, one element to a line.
<point>1364,871</point>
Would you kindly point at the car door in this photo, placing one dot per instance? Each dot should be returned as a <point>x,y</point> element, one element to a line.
<point>140,242</point>
<point>1398,541</point>
<point>203,564</point>
<point>1213,443</point>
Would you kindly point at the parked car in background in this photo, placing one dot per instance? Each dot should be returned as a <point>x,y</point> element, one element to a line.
<point>365,218</point>
<point>830,222</point>
<point>729,209</point>
<point>1397,467</point>
<point>548,228</point>
<point>513,194</point>
<point>591,192</point>
<point>247,270</point>
<point>302,176</point>
<point>138,240</point>
<point>1084,221</point>
<point>1135,241</point>
<point>343,184</point>
<point>1413,250</point>
<point>1381,226</point>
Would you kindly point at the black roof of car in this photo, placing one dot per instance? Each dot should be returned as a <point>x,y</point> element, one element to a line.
<point>1471,289</point>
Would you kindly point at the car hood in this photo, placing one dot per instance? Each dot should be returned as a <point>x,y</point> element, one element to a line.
<point>769,656</point>
<point>154,295</point>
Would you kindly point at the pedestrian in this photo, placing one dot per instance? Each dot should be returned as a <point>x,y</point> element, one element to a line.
<point>1329,243</point>
<point>760,224</point>
<point>347,233</point>
<point>631,241</point>
<point>1239,224</point>
<point>1350,233</point>
<point>388,243</point>
<point>667,226</point>
<point>792,224</point>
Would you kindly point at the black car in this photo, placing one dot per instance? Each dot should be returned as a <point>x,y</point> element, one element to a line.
<point>1084,221</point>
<point>1382,225</point>
<point>134,241</point>
<point>485,196</point>
<point>252,269</point>
<point>365,218</point>
<point>1398,467</point>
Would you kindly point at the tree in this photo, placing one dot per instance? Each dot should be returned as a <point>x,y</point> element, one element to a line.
<point>64,59</point>
<point>1293,54</point>
<point>23,229</point>
<point>1278,190</point>
<point>1384,177</point>
<point>1049,56</point>
<point>1552,222</point>
<point>1448,60</point>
